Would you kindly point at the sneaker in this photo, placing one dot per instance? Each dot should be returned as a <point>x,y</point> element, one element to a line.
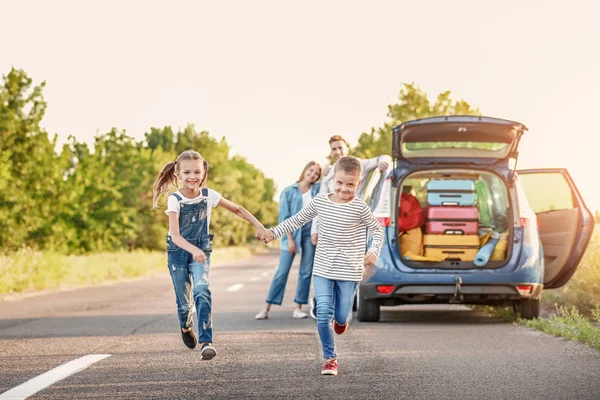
<point>339,329</point>
<point>313,308</point>
<point>330,367</point>
<point>207,352</point>
<point>299,314</point>
<point>189,338</point>
<point>263,314</point>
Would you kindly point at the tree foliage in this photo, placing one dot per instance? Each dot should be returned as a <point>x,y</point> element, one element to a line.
<point>99,197</point>
<point>413,103</point>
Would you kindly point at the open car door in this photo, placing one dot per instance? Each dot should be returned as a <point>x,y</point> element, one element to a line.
<point>564,222</point>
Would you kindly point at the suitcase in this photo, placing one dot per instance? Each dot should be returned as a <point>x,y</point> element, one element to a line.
<point>452,220</point>
<point>451,192</point>
<point>451,247</point>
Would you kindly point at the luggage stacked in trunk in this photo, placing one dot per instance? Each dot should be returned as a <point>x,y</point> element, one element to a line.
<point>452,220</point>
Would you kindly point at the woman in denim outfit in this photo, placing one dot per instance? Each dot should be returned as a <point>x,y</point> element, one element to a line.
<point>189,243</point>
<point>293,198</point>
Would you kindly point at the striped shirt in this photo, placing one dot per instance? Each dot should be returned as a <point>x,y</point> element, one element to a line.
<point>342,236</point>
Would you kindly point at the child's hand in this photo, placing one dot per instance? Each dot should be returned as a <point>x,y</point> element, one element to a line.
<point>199,256</point>
<point>370,259</point>
<point>268,236</point>
<point>260,232</point>
<point>314,238</point>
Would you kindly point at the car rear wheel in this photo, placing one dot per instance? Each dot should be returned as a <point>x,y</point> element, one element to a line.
<point>529,308</point>
<point>367,310</point>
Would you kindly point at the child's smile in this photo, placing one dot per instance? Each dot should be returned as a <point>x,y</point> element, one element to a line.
<point>191,173</point>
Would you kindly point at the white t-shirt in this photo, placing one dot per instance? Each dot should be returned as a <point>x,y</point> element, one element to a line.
<point>212,200</point>
<point>306,198</point>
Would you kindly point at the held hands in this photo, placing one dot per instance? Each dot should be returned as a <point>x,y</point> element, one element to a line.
<point>370,259</point>
<point>199,256</point>
<point>260,232</point>
<point>268,236</point>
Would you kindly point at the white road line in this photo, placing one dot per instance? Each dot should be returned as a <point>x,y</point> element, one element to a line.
<point>46,379</point>
<point>235,288</point>
<point>254,279</point>
<point>265,273</point>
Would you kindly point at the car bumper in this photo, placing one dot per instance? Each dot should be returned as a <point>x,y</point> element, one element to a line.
<point>442,293</point>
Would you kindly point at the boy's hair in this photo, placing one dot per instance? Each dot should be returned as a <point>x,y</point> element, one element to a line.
<point>349,165</point>
<point>337,138</point>
<point>167,178</point>
<point>310,164</point>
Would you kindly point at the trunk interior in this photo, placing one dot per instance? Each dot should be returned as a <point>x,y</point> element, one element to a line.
<point>463,222</point>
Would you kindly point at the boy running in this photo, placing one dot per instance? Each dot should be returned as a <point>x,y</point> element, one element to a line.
<point>340,254</point>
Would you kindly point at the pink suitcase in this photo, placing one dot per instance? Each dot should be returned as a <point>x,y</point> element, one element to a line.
<point>455,220</point>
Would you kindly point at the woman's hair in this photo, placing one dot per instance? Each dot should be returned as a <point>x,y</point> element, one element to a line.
<point>310,164</point>
<point>167,178</point>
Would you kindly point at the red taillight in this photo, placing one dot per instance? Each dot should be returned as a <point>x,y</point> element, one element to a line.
<point>384,221</point>
<point>525,289</point>
<point>385,289</point>
<point>527,222</point>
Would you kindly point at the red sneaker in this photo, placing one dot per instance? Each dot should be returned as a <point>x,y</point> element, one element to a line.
<point>339,329</point>
<point>330,367</point>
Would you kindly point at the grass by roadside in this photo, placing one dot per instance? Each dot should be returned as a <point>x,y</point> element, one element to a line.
<point>565,322</point>
<point>28,271</point>
<point>570,324</point>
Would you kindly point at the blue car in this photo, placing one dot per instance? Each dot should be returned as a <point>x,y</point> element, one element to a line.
<point>540,221</point>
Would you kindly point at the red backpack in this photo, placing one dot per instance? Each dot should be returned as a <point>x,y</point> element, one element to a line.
<point>410,214</point>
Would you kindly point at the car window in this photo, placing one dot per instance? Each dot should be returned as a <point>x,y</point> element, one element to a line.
<point>547,191</point>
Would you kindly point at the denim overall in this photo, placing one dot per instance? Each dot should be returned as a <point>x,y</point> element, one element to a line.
<point>193,227</point>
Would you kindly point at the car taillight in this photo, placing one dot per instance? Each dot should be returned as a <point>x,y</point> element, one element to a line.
<point>525,290</point>
<point>385,289</point>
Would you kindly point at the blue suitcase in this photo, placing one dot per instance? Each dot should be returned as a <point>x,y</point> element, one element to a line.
<point>451,192</point>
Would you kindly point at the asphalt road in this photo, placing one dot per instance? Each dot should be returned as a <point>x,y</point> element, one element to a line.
<point>415,352</point>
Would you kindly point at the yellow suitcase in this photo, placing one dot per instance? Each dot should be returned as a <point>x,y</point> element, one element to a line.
<point>451,247</point>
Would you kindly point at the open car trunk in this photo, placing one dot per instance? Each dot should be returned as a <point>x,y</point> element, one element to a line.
<point>466,221</point>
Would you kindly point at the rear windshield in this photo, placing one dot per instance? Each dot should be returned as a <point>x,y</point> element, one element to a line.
<point>456,145</point>
<point>455,149</point>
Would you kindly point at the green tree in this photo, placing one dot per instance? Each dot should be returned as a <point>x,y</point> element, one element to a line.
<point>98,197</point>
<point>413,103</point>
<point>30,172</point>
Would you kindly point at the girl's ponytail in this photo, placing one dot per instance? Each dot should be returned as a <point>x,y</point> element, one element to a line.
<point>163,183</point>
<point>205,164</point>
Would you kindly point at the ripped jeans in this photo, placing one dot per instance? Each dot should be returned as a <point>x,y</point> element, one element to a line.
<point>183,277</point>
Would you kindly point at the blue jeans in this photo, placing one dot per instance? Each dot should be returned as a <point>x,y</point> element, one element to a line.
<point>275,295</point>
<point>199,274</point>
<point>334,301</point>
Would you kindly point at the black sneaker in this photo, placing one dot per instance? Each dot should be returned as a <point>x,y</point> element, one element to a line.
<point>313,307</point>
<point>189,338</point>
<point>207,352</point>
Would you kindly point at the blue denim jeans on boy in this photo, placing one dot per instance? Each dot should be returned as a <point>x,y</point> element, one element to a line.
<point>334,301</point>
<point>277,289</point>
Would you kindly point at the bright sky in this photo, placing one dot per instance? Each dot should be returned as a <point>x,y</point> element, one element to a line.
<point>278,78</point>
